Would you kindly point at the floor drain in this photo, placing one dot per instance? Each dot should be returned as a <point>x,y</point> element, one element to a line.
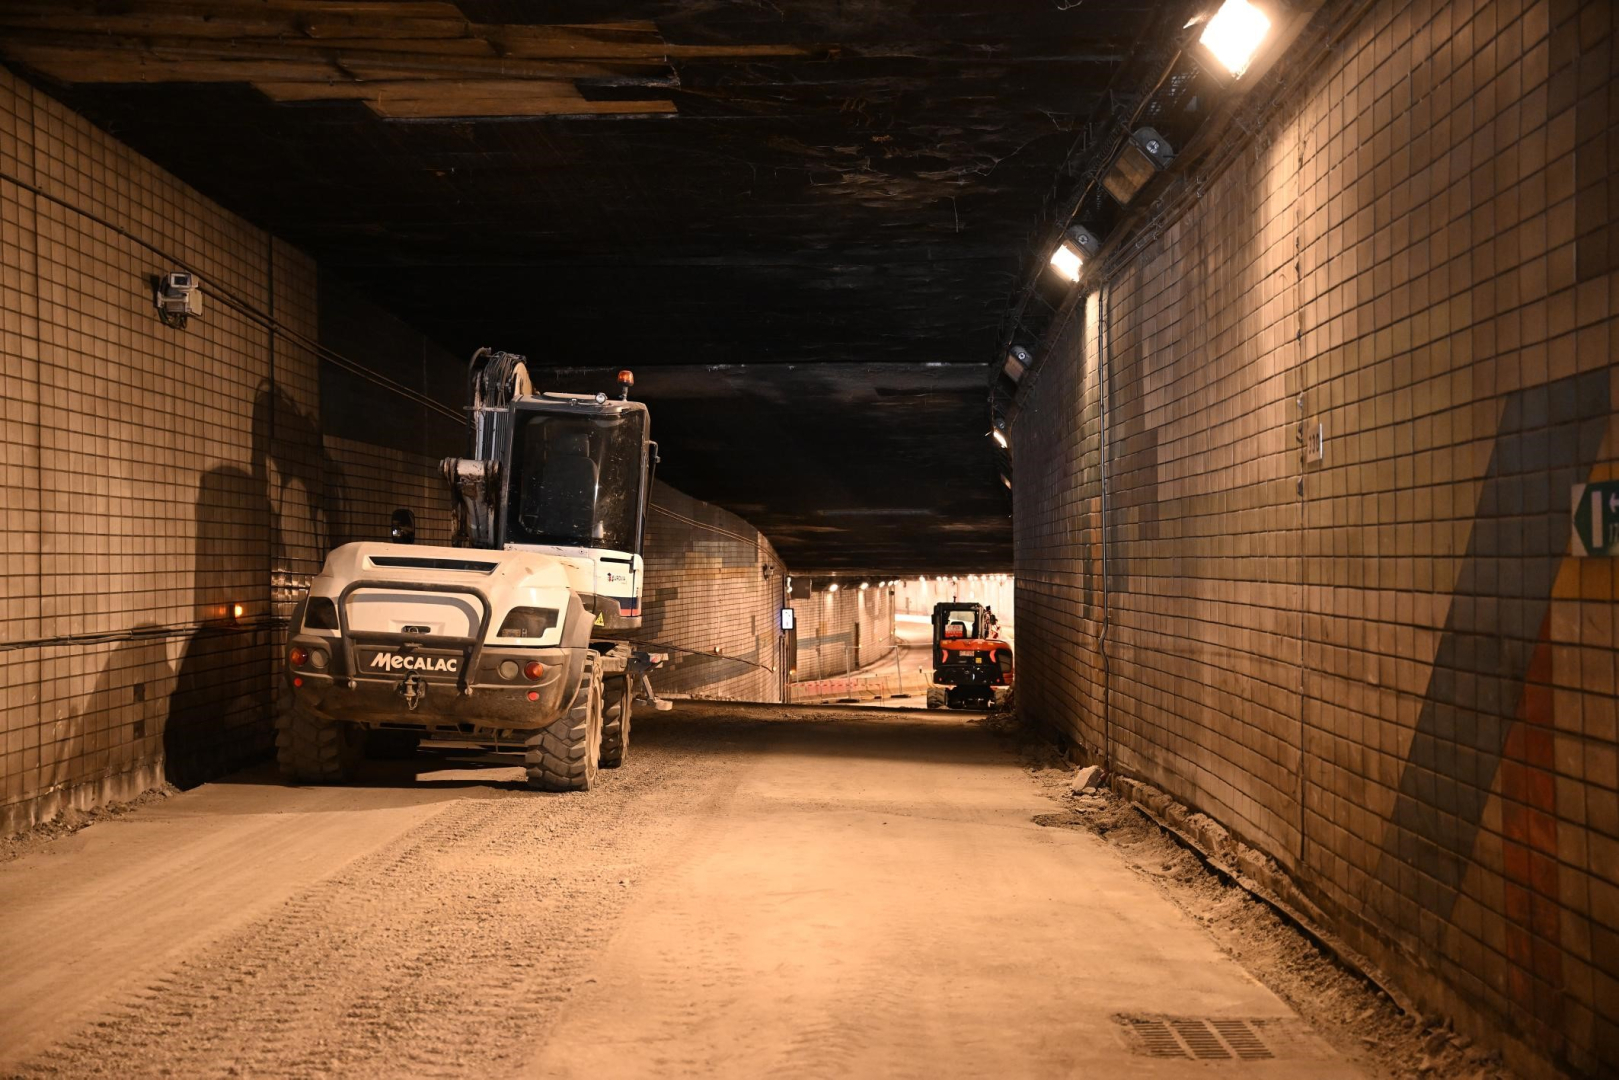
<point>1154,1039</point>
<point>1216,1039</point>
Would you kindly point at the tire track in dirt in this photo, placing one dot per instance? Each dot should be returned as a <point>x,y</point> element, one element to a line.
<point>447,953</point>
<point>699,973</point>
<point>878,1030</point>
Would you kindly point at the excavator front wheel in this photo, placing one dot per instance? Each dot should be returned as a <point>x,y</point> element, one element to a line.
<point>565,755</point>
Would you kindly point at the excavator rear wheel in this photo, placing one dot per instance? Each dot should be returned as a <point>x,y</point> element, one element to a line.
<point>312,750</point>
<point>565,755</point>
<point>619,700</point>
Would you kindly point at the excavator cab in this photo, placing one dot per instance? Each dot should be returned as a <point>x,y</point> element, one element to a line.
<point>569,475</point>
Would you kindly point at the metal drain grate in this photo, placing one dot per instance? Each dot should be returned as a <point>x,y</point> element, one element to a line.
<point>1199,1038</point>
<point>1245,1040</point>
<point>1156,1040</point>
<point>1216,1039</point>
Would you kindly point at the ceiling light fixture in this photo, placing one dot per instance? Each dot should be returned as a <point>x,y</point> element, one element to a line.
<point>1017,362</point>
<point>1145,153</point>
<point>1078,244</point>
<point>1066,261</point>
<point>1235,34</point>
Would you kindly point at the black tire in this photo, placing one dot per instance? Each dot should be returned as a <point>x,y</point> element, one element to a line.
<point>936,697</point>
<point>387,744</point>
<point>618,701</point>
<point>311,750</point>
<point>565,755</point>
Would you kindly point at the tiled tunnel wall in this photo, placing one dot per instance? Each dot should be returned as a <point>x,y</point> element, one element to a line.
<point>839,631</point>
<point>1384,668</point>
<point>151,475</point>
<point>153,478</point>
<point>713,594</point>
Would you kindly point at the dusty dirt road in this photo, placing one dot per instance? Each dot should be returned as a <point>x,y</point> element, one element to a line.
<point>762,891</point>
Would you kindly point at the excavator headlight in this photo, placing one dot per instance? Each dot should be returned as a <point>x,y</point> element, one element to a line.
<point>527,622</point>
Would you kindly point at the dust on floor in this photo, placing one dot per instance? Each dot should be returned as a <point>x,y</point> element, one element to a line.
<point>1360,1021</point>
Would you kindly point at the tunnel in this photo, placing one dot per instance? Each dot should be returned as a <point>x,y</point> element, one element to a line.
<point>838,538</point>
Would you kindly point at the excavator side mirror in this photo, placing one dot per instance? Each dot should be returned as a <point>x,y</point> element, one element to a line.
<point>402,530</point>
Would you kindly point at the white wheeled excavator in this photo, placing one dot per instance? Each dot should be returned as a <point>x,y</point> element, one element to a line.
<point>516,634</point>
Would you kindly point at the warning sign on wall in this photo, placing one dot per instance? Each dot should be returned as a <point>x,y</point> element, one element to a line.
<point>1596,518</point>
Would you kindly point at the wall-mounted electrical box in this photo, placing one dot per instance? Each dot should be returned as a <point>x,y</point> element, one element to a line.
<point>178,298</point>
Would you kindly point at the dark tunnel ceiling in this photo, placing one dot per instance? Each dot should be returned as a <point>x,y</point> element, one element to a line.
<point>845,187</point>
<point>756,439</point>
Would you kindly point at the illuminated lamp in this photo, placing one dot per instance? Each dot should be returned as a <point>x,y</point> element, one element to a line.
<point>1066,261</point>
<point>1078,244</point>
<point>832,587</point>
<point>1144,154</point>
<point>1235,34</point>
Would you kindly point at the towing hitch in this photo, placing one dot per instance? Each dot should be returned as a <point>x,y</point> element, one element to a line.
<point>413,688</point>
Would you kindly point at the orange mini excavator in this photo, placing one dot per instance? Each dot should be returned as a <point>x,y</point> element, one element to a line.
<point>969,658</point>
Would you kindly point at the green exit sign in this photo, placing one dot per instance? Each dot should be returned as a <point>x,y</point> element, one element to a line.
<point>1596,518</point>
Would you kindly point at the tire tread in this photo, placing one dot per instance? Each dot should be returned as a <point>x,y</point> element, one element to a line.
<point>565,755</point>
<point>311,750</point>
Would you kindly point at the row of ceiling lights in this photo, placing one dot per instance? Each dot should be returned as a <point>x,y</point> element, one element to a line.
<point>1231,37</point>
<point>836,586</point>
<point>864,585</point>
<point>921,580</point>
